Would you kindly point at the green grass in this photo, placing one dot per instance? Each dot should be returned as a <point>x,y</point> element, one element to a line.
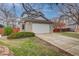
<point>29,47</point>
<point>70,34</point>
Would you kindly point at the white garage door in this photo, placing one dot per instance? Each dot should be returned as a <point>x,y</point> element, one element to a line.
<point>40,28</point>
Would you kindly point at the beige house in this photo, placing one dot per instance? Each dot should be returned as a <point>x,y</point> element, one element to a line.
<point>36,25</point>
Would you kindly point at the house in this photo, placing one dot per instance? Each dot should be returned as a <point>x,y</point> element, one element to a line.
<point>37,25</point>
<point>63,25</point>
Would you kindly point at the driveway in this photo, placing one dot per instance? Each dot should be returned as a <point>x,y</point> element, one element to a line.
<point>68,44</point>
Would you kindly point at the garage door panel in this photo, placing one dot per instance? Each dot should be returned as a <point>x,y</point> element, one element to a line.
<point>40,28</point>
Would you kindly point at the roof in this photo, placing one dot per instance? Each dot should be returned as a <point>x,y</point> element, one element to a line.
<point>36,21</point>
<point>38,18</point>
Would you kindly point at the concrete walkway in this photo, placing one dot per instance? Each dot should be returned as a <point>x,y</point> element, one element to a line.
<point>68,44</point>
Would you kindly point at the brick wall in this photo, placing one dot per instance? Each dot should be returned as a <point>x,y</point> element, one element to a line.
<point>14,30</point>
<point>1,30</point>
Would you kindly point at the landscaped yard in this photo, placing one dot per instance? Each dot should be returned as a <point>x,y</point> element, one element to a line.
<point>29,47</point>
<point>70,34</point>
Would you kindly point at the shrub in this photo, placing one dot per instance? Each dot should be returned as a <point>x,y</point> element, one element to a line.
<point>21,35</point>
<point>7,30</point>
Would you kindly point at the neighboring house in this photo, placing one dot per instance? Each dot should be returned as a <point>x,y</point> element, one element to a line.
<point>37,25</point>
<point>65,23</point>
<point>76,28</point>
<point>61,25</point>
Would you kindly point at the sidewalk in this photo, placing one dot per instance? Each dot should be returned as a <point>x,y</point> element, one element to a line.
<point>68,44</point>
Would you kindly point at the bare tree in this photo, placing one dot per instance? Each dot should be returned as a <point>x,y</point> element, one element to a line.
<point>70,12</point>
<point>14,16</point>
<point>6,14</point>
<point>31,12</point>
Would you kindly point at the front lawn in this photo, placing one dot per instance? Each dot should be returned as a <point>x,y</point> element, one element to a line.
<point>71,34</point>
<point>29,47</point>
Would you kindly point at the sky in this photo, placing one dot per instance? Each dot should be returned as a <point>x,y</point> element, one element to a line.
<point>46,11</point>
<point>51,13</point>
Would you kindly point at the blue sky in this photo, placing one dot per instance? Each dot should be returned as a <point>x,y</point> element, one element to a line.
<point>51,13</point>
<point>47,11</point>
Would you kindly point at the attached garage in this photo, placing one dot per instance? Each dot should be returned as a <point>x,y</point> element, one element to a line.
<point>38,26</point>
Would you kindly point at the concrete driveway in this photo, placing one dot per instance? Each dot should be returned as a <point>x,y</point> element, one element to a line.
<point>68,44</point>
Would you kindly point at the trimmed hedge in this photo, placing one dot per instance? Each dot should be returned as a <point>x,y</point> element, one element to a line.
<point>21,35</point>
